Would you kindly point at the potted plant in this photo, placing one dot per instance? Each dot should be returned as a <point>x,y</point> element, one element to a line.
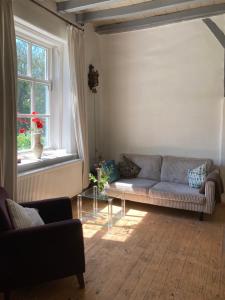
<point>101,178</point>
<point>37,131</point>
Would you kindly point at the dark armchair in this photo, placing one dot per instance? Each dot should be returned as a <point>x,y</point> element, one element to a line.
<point>37,254</point>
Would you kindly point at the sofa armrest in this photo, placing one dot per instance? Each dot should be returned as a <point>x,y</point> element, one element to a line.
<point>39,253</point>
<point>210,197</point>
<point>52,210</point>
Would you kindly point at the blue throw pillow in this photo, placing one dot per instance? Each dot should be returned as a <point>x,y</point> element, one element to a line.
<point>197,176</point>
<point>110,168</point>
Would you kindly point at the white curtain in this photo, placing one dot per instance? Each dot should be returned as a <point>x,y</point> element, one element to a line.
<point>77,90</point>
<point>8,77</point>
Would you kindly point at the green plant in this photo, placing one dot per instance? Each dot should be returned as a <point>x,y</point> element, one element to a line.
<point>102,177</point>
<point>23,141</point>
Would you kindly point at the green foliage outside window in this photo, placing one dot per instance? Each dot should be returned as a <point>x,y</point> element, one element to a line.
<point>23,141</point>
<point>31,95</point>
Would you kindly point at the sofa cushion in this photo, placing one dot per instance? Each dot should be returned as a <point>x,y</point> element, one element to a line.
<point>175,169</point>
<point>150,165</point>
<point>176,192</point>
<point>134,185</point>
<point>109,168</point>
<point>128,169</point>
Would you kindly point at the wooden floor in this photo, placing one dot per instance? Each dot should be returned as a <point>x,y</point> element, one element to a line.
<point>152,253</point>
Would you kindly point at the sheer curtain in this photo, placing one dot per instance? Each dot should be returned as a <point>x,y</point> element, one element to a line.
<point>8,77</point>
<point>77,90</point>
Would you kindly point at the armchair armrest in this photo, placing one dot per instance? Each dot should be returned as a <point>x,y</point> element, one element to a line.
<point>41,253</point>
<point>52,210</point>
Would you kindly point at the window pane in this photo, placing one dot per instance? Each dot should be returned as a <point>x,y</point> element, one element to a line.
<point>22,50</point>
<point>41,94</point>
<point>24,97</point>
<point>39,60</point>
<point>23,133</point>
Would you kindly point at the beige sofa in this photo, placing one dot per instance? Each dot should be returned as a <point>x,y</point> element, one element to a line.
<point>163,181</point>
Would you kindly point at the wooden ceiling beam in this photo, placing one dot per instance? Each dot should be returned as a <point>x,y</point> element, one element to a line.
<point>131,10</point>
<point>195,13</point>
<point>79,5</point>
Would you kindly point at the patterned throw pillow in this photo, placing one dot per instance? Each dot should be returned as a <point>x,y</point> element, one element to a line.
<point>128,169</point>
<point>23,217</point>
<point>197,176</point>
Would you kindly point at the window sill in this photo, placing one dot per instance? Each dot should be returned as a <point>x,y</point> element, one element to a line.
<point>49,158</point>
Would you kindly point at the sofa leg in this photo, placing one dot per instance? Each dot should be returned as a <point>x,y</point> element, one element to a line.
<point>201,216</point>
<point>80,278</point>
<point>7,295</point>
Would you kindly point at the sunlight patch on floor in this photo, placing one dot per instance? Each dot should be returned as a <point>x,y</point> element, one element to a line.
<point>124,228</point>
<point>91,229</point>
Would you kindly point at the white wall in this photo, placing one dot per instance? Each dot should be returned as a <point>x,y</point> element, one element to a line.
<point>92,56</point>
<point>37,16</point>
<point>163,91</point>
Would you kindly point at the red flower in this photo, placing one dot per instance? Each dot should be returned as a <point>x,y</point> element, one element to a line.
<point>36,120</point>
<point>22,130</point>
<point>39,124</point>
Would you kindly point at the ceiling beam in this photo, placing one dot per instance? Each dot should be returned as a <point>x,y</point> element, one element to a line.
<point>217,32</point>
<point>130,10</point>
<point>79,5</point>
<point>219,35</point>
<point>195,13</point>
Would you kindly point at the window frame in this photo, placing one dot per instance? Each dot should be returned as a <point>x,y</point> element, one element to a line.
<point>61,151</point>
<point>33,81</point>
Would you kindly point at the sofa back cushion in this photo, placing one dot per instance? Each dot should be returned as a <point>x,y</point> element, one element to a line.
<point>5,222</point>
<point>150,165</point>
<point>175,169</point>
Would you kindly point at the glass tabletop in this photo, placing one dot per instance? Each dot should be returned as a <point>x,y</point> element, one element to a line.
<point>90,194</point>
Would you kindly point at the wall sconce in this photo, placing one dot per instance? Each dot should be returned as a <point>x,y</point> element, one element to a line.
<point>93,79</point>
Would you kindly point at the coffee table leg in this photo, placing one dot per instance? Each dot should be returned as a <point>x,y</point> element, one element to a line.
<point>110,213</point>
<point>123,207</point>
<point>95,205</point>
<point>79,207</point>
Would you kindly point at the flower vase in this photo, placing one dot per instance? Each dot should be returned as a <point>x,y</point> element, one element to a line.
<point>37,145</point>
<point>101,190</point>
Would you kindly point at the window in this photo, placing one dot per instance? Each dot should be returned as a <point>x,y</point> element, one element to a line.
<point>42,67</point>
<point>33,91</point>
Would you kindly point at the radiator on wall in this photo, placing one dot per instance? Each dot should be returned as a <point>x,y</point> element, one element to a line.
<point>55,181</point>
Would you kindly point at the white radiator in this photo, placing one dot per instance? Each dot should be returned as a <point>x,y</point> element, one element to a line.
<point>55,181</point>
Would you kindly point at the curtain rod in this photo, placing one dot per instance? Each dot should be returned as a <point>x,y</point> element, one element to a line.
<point>57,15</point>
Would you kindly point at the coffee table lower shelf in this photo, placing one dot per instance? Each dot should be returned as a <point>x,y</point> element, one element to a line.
<point>96,198</point>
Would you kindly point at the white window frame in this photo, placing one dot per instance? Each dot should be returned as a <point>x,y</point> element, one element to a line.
<point>57,154</point>
<point>32,80</point>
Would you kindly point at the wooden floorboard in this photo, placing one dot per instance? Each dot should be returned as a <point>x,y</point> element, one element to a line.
<point>152,253</point>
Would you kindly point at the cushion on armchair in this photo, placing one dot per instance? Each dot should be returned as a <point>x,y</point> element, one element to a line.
<point>23,217</point>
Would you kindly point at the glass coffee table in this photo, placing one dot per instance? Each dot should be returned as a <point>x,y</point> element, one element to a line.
<point>94,195</point>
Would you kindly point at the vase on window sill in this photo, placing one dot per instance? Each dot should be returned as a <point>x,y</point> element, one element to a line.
<point>37,145</point>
